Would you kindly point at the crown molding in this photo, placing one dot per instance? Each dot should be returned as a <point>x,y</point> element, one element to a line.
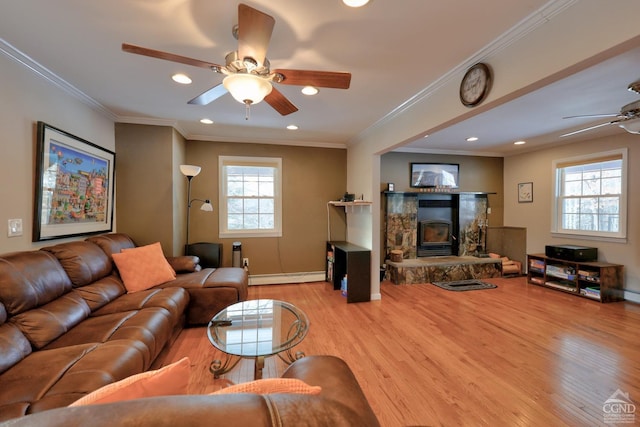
<point>529,24</point>
<point>43,72</point>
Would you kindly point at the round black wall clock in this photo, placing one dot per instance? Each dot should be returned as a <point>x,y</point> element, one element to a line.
<point>475,85</point>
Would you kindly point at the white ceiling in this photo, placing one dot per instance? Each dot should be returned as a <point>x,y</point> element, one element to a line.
<point>394,50</point>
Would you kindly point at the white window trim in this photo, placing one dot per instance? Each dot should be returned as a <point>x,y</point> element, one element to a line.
<point>556,231</point>
<point>222,197</point>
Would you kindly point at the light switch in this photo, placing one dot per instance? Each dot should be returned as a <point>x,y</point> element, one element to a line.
<point>15,227</point>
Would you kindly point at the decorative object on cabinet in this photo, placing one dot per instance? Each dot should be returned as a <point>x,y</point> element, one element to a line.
<point>74,186</point>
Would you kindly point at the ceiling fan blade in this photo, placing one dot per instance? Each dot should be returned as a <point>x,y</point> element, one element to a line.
<point>138,50</point>
<point>254,33</point>
<point>280,103</point>
<point>590,115</point>
<point>209,96</point>
<point>589,128</point>
<point>330,79</point>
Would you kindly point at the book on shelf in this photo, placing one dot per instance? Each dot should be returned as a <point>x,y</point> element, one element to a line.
<point>590,276</point>
<point>588,273</point>
<point>593,292</point>
<point>536,264</point>
<point>538,280</point>
<point>559,284</point>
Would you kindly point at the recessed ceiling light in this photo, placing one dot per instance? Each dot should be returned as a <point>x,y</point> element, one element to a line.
<point>181,78</point>
<point>292,127</point>
<point>519,142</point>
<point>310,90</point>
<point>206,121</point>
<point>472,138</point>
<point>355,3</point>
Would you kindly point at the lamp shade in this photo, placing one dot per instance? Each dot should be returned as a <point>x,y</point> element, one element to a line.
<point>631,126</point>
<point>207,206</point>
<point>190,170</point>
<point>247,88</point>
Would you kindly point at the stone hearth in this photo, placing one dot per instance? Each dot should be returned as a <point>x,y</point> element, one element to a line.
<point>442,269</point>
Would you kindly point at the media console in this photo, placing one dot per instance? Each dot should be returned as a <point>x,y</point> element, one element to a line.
<point>601,281</point>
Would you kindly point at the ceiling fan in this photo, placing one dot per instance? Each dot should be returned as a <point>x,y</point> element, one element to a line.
<point>249,78</point>
<point>628,118</point>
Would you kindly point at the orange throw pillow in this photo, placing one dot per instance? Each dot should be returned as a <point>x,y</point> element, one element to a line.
<point>272,385</point>
<point>143,267</point>
<point>168,381</point>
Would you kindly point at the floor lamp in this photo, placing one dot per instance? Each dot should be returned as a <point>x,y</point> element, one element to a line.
<point>190,171</point>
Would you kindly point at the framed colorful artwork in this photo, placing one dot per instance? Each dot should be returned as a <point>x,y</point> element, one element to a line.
<point>74,186</point>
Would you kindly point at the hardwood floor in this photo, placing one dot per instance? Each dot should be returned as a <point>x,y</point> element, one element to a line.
<point>517,355</point>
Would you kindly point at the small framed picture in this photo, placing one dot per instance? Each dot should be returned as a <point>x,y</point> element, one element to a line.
<point>525,192</point>
<point>391,187</point>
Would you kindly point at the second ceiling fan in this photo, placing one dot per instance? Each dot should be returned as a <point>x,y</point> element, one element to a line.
<point>249,77</point>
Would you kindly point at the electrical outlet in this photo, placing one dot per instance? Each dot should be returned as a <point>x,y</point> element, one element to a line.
<point>15,227</point>
<point>245,262</point>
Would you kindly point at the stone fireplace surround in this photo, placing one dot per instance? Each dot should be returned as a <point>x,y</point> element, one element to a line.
<point>467,213</point>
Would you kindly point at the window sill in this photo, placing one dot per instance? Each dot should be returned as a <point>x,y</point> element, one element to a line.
<point>586,237</point>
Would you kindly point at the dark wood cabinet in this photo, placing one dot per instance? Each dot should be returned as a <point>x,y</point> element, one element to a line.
<point>601,281</point>
<point>344,258</point>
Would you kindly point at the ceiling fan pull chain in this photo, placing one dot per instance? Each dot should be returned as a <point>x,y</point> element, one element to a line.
<point>247,111</point>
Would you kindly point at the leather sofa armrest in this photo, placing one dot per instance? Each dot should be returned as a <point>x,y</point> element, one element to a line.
<point>184,263</point>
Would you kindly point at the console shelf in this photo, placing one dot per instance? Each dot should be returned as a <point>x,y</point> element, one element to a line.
<point>355,261</point>
<point>600,281</point>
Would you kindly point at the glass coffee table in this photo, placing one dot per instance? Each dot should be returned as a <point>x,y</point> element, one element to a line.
<point>256,329</point>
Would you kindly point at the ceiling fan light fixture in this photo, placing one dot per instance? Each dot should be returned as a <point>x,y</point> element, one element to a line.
<point>247,88</point>
<point>631,126</point>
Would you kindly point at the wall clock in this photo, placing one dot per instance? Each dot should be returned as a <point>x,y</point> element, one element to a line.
<point>475,85</point>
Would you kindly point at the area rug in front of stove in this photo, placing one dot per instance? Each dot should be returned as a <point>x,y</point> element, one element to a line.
<point>464,285</point>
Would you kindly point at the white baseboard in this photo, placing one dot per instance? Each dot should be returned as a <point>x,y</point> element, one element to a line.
<point>288,278</point>
<point>276,279</point>
<point>632,296</point>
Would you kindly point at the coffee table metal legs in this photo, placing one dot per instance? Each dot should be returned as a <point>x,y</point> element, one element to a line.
<point>291,357</point>
<point>219,367</point>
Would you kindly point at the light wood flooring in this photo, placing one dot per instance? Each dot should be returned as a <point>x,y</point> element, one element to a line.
<point>517,355</point>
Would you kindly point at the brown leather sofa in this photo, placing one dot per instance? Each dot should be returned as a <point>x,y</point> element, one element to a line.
<point>341,403</point>
<point>68,326</point>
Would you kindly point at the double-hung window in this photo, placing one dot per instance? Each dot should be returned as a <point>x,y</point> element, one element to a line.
<point>590,195</point>
<point>250,196</point>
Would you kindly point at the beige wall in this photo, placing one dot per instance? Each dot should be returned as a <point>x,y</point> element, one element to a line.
<point>149,184</point>
<point>311,178</point>
<point>481,174</point>
<point>25,99</point>
<point>536,217</point>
